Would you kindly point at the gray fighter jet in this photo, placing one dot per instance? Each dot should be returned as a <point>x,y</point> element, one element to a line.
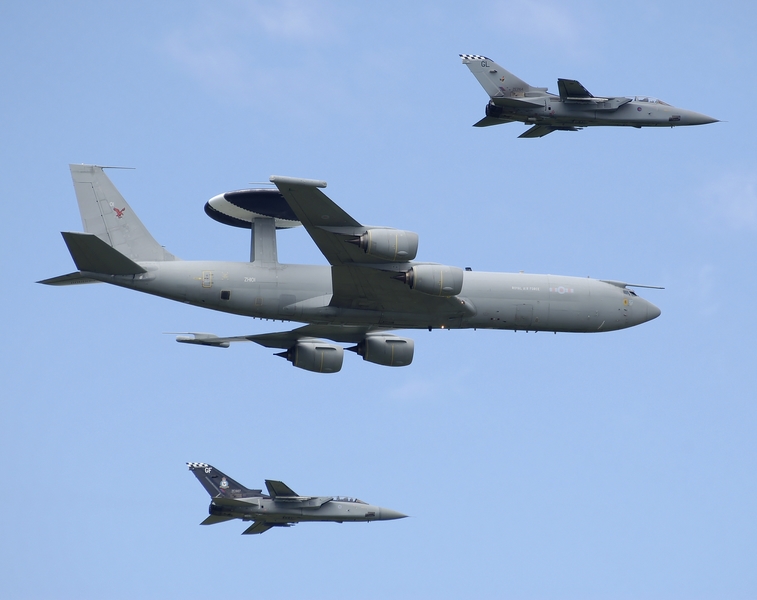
<point>373,284</point>
<point>281,507</point>
<point>512,99</point>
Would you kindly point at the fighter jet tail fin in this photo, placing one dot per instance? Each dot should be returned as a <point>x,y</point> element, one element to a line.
<point>495,79</point>
<point>106,214</point>
<point>218,484</point>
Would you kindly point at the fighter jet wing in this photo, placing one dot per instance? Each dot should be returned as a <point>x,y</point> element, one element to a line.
<point>257,527</point>
<point>572,91</point>
<point>279,488</point>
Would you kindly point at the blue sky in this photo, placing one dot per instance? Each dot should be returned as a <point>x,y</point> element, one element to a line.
<point>534,466</point>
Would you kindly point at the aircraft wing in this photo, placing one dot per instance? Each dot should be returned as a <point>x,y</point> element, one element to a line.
<point>348,334</point>
<point>279,488</point>
<point>328,225</point>
<point>572,91</point>
<point>257,527</point>
<point>357,282</point>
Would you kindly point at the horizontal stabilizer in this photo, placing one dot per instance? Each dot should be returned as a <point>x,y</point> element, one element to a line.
<point>257,527</point>
<point>213,519</point>
<point>70,279</point>
<point>489,121</point>
<point>537,131</point>
<point>90,253</point>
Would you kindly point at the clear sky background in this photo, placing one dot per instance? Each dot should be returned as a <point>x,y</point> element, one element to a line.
<point>618,465</point>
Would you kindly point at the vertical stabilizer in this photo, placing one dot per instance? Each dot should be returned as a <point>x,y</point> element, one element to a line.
<point>106,214</point>
<point>217,483</point>
<point>496,80</point>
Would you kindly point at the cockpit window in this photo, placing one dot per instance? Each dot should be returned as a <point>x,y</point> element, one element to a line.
<point>650,100</point>
<point>346,499</point>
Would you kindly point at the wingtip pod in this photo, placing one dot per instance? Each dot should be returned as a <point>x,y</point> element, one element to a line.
<point>279,179</point>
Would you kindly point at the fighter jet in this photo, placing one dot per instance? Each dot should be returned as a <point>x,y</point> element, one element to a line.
<point>373,284</point>
<point>281,507</point>
<point>512,99</point>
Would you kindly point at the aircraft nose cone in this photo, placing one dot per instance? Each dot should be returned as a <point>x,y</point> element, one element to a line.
<point>652,311</point>
<point>387,514</point>
<point>695,118</point>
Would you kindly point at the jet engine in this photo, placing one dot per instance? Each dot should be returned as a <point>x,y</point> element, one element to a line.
<point>386,350</point>
<point>436,280</point>
<point>388,244</point>
<point>315,356</point>
<point>492,110</point>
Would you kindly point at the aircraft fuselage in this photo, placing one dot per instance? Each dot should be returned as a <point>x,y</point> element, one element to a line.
<point>552,111</point>
<point>336,510</point>
<point>303,293</point>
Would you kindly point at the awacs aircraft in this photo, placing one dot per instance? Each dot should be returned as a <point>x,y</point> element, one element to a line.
<point>373,283</point>
<point>281,507</point>
<point>512,99</point>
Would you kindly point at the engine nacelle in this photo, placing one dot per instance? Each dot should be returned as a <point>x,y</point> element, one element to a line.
<point>315,356</point>
<point>436,280</point>
<point>386,350</point>
<point>390,244</point>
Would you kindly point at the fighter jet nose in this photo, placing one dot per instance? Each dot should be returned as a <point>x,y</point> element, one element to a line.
<point>652,311</point>
<point>695,118</point>
<point>386,514</point>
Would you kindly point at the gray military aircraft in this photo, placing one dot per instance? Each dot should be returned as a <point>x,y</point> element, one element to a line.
<point>512,99</point>
<point>372,286</point>
<point>281,507</point>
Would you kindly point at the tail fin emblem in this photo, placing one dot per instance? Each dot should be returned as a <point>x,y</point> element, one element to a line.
<point>119,211</point>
